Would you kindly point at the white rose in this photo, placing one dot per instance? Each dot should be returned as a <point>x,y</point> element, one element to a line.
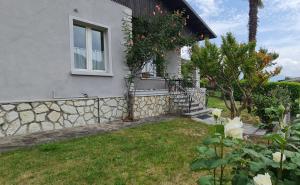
<point>262,179</point>
<point>298,116</point>
<point>234,128</point>
<point>217,113</point>
<point>277,157</point>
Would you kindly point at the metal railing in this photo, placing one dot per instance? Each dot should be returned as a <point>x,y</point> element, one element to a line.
<point>181,86</point>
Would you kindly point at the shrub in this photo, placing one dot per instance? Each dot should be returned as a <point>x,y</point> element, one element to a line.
<point>293,88</point>
<point>245,161</point>
<point>204,83</point>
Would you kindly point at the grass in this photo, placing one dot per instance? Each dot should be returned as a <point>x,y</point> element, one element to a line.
<point>150,154</point>
<point>215,102</point>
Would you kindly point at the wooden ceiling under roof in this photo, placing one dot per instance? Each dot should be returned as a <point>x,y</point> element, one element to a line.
<point>146,7</point>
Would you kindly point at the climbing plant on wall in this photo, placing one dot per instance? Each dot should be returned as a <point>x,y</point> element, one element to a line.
<point>150,37</point>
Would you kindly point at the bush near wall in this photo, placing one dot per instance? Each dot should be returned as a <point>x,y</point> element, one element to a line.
<point>293,87</point>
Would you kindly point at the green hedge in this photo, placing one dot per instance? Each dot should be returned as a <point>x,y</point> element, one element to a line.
<point>293,87</point>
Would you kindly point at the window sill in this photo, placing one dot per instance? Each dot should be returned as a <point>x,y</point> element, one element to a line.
<point>91,73</point>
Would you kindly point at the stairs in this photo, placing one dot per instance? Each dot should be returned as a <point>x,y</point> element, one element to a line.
<point>187,106</point>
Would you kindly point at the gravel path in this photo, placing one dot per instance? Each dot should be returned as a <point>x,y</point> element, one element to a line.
<point>249,129</point>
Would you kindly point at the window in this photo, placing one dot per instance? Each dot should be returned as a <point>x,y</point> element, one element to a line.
<point>90,49</point>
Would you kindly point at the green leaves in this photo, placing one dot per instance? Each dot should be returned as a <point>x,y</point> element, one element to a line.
<point>257,166</point>
<point>247,160</point>
<point>211,141</point>
<point>240,178</point>
<point>278,138</point>
<point>206,180</point>
<point>206,151</point>
<point>208,164</point>
<point>152,36</point>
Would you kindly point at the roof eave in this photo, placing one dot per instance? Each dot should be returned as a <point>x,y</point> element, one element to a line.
<point>201,20</point>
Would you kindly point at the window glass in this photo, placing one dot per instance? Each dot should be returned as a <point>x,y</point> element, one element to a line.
<point>98,50</point>
<point>80,51</point>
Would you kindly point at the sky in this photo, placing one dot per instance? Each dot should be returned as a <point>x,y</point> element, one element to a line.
<point>279,27</point>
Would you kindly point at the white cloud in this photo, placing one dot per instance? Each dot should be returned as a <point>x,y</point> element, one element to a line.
<point>207,8</point>
<point>288,49</point>
<point>287,4</point>
<point>236,24</point>
<point>290,67</point>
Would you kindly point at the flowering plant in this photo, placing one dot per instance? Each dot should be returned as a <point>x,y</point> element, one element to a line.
<point>262,179</point>
<point>217,113</point>
<point>149,38</point>
<point>234,128</point>
<point>225,148</point>
<point>213,155</point>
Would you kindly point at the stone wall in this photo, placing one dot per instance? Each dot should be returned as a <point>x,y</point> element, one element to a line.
<point>199,95</point>
<point>150,106</point>
<point>112,109</point>
<point>30,117</point>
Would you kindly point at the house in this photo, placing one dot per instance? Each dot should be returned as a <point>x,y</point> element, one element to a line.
<point>62,63</point>
<point>290,79</point>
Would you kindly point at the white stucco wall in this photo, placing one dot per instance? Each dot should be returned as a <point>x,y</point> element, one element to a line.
<point>35,59</point>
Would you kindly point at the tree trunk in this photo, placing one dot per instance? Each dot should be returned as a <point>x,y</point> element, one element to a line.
<point>253,20</point>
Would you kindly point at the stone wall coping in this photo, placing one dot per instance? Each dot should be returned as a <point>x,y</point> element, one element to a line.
<point>162,92</point>
<point>153,78</point>
<point>200,89</point>
<point>56,99</point>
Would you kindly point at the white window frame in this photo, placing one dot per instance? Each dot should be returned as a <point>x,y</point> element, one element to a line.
<point>107,48</point>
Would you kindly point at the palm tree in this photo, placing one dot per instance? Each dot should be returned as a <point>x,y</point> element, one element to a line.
<point>254,5</point>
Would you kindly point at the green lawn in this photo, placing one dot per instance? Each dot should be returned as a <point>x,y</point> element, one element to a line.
<point>215,102</point>
<point>150,154</point>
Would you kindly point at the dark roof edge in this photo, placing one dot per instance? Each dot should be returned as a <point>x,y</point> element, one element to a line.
<point>198,16</point>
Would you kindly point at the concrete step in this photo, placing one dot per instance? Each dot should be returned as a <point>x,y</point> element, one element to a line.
<point>197,113</point>
<point>183,101</point>
<point>183,105</point>
<point>193,109</point>
<point>181,98</point>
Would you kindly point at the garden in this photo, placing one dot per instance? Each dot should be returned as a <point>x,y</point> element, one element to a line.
<point>182,151</point>
<point>240,75</point>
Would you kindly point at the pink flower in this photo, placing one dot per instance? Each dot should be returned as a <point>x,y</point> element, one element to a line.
<point>157,7</point>
<point>130,43</point>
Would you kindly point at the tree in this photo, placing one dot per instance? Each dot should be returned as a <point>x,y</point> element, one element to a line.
<point>257,75</point>
<point>254,5</point>
<point>229,64</point>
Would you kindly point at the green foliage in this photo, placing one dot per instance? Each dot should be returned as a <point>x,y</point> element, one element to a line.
<point>246,159</point>
<point>272,106</point>
<point>226,65</point>
<point>212,154</point>
<point>152,36</point>
<point>206,180</point>
<point>187,70</point>
<point>263,98</point>
<point>204,83</point>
